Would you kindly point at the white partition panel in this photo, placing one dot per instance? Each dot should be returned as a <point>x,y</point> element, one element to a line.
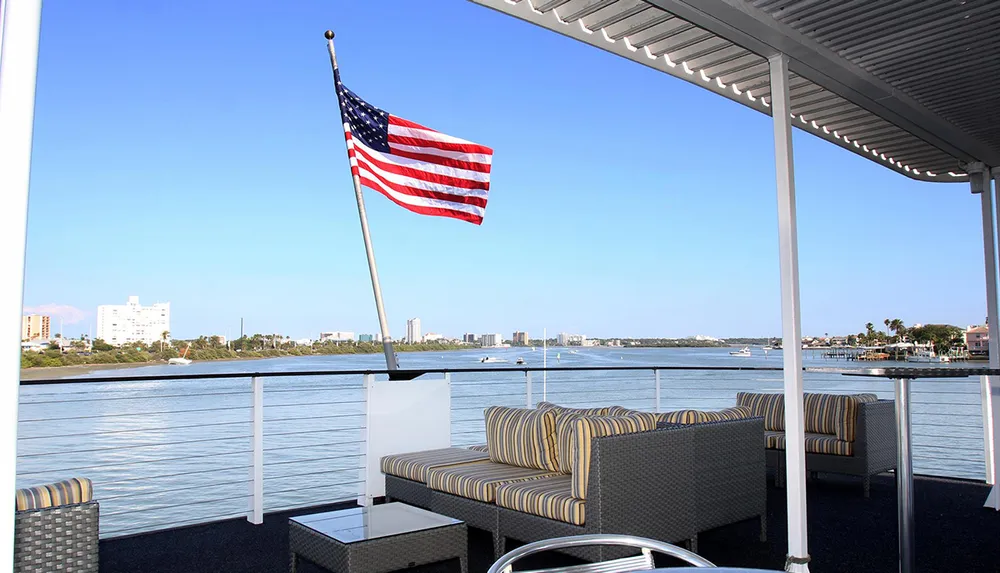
<point>403,416</point>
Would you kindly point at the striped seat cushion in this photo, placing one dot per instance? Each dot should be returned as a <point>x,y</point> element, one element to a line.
<point>415,465</point>
<point>480,448</point>
<point>584,430</point>
<point>768,405</point>
<point>601,411</point>
<point>549,497</point>
<point>66,492</point>
<point>479,480</point>
<point>815,443</point>
<point>522,437</point>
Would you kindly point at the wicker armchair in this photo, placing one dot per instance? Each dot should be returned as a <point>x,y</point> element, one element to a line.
<point>56,528</point>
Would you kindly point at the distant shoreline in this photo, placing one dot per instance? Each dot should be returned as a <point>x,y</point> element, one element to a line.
<point>43,372</point>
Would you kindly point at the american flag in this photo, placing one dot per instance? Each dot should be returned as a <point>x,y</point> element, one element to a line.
<point>416,167</point>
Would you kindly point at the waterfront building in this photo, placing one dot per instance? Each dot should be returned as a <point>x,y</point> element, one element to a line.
<point>520,338</point>
<point>413,330</point>
<point>336,336</point>
<point>366,338</point>
<point>491,339</point>
<point>469,338</point>
<point>565,339</point>
<point>432,337</point>
<point>977,340</point>
<point>119,324</point>
<point>35,327</point>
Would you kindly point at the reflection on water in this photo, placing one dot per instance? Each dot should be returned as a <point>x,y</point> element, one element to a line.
<point>177,452</point>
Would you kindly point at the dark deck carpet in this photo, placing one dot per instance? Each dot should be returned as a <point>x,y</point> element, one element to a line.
<point>846,533</point>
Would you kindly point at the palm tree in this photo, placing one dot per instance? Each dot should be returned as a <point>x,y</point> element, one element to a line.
<point>163,338</point>
<point>897,326</point>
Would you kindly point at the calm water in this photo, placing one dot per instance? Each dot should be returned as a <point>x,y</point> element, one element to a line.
<point>169,453</point>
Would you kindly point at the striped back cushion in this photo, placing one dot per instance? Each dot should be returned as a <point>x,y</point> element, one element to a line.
<point>685,417</point>
<point>67,492</point>
<point>584,430</point>
<point>603,411</point>
<point>522,437</point>
<point>770,406</point>
<point>846,426</point>
<point>565,424</point>
<point>647,420</point>
<point>824,411</point>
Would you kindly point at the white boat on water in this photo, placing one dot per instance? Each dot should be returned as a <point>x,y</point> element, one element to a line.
<point>927,356</point>
<point>745,351</point>
<point>491,360</point>
<point>181,360</point>
<point>519,361</point>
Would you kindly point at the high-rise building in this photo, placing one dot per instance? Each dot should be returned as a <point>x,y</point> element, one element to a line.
<point>413,331</point>
<point>491,340</point>
<point>35,327</point>
<point>520,338</point>
<point>119,324</point>
<point>469,338</point>
<point>572,339</point>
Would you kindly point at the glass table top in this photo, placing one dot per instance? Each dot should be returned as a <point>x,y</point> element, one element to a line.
<point>363,523</point>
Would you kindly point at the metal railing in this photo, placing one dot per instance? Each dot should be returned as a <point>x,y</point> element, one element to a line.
<point>167,451</point>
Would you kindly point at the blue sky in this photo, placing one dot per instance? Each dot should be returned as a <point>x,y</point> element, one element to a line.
<point>190,152</point>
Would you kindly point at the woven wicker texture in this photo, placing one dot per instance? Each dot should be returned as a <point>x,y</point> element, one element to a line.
<point>380,555</point>
<point>58,539</point>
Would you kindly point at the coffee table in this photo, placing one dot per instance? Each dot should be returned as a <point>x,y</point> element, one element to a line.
<point>376,539</point>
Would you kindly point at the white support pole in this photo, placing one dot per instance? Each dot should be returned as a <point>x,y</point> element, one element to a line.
<point>364,499</point>
<point>19,26</point>
<point>527,388</point>
<point>656,377</point>
<point>545,364</point>
<point>990,255</point>
<point>791,324</point>
<point>255,514</point>
<point>991,418</point>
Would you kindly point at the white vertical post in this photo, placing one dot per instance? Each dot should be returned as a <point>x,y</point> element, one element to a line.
<point>363,498</point>
<point>791,323</point>
<point>993,390</point>
<point>19,25</point>
<point>904,476</point>
<point>990,256</point>
<point>255,514</point>
<point>656,376</point>
<point>545,364</point>
<point>989,447</point>
<point>527,384</point>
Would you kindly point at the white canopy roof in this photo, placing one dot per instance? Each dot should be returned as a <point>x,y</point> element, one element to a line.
<point>913,85</point>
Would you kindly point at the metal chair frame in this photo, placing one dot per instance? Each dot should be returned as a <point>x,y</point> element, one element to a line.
<point>642,562</point>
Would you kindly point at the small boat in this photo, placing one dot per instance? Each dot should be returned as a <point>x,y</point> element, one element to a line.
<point>491,360</point>
<point>927,356</point>
<point>767,347</point>
<point>519,361</point>
<point>573,352</point>
<point>182,360</point>
<point>745,351</point>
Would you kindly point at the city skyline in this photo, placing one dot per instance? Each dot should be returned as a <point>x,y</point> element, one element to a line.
<point>231,217</point>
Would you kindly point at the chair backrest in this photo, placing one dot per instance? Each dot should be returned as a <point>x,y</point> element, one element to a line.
<point>642,562</point>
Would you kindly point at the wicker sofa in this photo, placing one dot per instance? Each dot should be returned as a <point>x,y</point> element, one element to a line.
<point>669,483</point>
<point>56,528</point>
<point>852,434</point>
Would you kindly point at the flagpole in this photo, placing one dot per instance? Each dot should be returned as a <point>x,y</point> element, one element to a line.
<point>390,356</point>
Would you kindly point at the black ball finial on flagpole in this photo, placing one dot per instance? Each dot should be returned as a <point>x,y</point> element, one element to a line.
<point>328,34</point>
